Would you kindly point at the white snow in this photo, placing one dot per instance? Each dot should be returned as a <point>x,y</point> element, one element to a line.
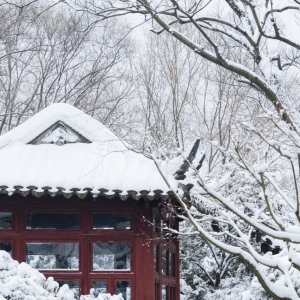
<point>22,282</point>
<point>105,163</point>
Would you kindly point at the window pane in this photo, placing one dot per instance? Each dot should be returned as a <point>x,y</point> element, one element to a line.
<point>73,285</point>
<point>111,221</point>
<point>52,220</point>
<point>154,224</point>
<point>99,288</point>
<point>6,247</point>
<point>53,255</point>
<point>163,292</point>
<point>156,258</point>
<point>158,225</point>
<point>157,292</point>
<point>172,292</point>
<point>164,259</point>
<point>111,256</point>
<point>124,288</point>
<point>5,220</point>
<point>172,264</point>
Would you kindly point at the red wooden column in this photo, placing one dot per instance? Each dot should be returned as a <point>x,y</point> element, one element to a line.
<point>144,256</point>
<point>18,251</point>
<point>85,255</point>
<point>177,270</point>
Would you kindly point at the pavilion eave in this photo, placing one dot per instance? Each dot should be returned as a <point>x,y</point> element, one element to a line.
<point>83,193</point>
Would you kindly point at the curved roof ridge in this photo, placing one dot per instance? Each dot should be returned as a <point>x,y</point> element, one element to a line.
<point>81,122</point>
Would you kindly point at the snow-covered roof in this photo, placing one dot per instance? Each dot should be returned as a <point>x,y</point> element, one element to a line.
<point>63,150</point>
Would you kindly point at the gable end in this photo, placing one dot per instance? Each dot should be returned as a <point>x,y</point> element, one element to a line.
<point>59,134</point>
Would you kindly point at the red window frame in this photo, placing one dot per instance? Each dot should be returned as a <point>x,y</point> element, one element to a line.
<point>109,211</point>
<point>85,236</point>
<point>172,264</point>
<point>12,241</point>
<point>168,244</point>
<point>57,240</point>
<point>57,278</point>
<point>46,230</point>
<point>119,239</point>
<point>13,227</point>
<point>105,279</point>
<point>114,285</point>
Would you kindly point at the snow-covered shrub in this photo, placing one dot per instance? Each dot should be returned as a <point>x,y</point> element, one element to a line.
<point>101,296</point>
<point>19,281</point>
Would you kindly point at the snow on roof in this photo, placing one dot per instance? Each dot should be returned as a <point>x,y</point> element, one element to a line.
<point>62,149</point>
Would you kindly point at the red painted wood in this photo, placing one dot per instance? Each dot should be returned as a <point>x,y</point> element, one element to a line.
<point>145,257</point>
<point>141,236</point>
<point>172,283</point>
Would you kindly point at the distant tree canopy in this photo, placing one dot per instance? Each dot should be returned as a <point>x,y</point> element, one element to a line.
<point>54,54</point>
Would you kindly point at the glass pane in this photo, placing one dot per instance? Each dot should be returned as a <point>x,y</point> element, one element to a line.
<point>111,256</point>
<point>53,255</point>
<point>52,221</point>
<point>173,292</point>
<point>157,225</point>
<point>154,223</point>
<point>111,221</point>
<point>157,292</point>
<point>124,288</point>
<point>5,220</point>
<point>162,231</point>
<point>163,292</point>
<point>6,247</point>
<point>99,288</point>
<point>73,285</point>
<point>164,262</point>
<point>172,264</point>
<point>155,258</point>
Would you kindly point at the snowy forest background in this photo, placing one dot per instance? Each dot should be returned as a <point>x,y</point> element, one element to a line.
<point>223,71</point>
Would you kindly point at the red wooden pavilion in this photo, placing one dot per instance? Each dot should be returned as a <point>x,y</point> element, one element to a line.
<point>79,205</point>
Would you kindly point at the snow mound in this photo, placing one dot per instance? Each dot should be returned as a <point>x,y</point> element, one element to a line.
<point>19,281</point>
<point>101,296</point>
